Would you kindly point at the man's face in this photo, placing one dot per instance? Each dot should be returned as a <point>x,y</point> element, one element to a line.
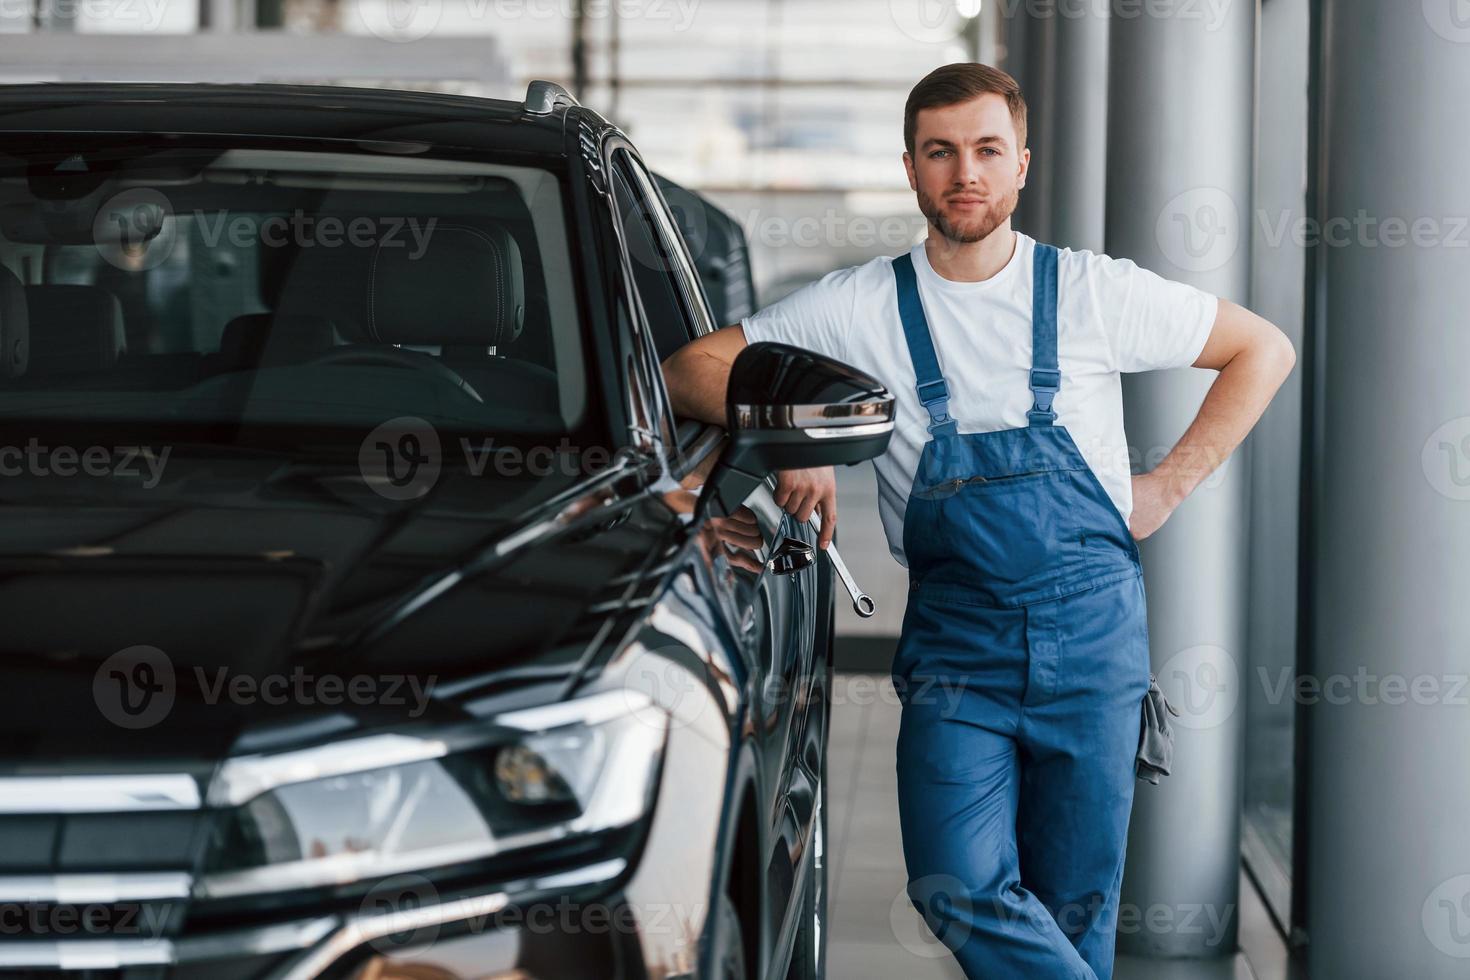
<point>966,167</point>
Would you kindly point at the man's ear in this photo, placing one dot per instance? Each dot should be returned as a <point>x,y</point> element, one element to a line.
<point>1025,168</point>
<point>908,166</point>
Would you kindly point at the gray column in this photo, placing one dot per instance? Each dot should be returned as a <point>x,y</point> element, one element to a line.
<point>1079,134</point>
<point>1389,785</point>
<point>1178,201</point>
<point>1034,58</point>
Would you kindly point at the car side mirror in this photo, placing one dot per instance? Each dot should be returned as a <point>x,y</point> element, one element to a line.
<point>788,408</point>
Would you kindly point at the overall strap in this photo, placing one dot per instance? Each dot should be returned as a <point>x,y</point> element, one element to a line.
<point>1046,379</point>
<point>933,392</point>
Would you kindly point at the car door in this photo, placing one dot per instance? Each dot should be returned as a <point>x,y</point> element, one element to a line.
<point>775,614</point>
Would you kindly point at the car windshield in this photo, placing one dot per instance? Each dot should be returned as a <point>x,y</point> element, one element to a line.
<point>243,287</point>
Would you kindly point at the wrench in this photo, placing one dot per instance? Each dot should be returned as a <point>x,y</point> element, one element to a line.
<point>862,603</point>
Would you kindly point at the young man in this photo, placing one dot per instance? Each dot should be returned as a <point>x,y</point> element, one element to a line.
<point>1006,492</point>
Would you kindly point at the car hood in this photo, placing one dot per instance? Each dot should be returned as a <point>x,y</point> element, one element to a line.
<point>251,595</point>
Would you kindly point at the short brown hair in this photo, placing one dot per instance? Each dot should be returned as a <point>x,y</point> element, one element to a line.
<point>962,82</point>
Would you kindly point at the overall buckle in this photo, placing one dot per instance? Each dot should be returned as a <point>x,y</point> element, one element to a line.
<point>1045,379</point>
<point>1045,383</point>
<point>939,387</point>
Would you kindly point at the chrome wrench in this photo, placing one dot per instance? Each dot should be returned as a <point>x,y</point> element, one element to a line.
<point>862,603</point>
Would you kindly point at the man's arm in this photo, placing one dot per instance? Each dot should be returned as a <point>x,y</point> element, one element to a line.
<point>697,376</point>
<point>698,373</point>
<point>1253,357</point>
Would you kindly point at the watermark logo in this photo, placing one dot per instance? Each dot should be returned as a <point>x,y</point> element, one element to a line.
<point>399,20</point>
<point>940,925</point>
<point>1450,19</point>
<point>1211,12</point>
<point>1199,230</point>
<point>401,459</point>
<point>1203,682</point>
<point>134,230</point>
<point>132,16</point>
<point>134,688</point>
<point>931,21</point>
<point>691,218</point>
<point>413,20</point>
<point>1446,917</point>
<point>394,905</point>
<point>678,698</point>
<point>141,463</point>
<point>1446,459</point>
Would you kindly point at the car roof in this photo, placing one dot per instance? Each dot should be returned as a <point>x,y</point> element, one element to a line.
<point>289,111</point>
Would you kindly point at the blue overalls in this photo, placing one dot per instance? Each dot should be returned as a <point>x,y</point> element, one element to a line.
<point>1021,669</point>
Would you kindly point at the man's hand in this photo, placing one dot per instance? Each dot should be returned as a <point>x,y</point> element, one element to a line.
<point>800,492</point>
<point>1153,502</point>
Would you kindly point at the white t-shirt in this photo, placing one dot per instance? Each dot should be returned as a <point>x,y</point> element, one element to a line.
<point>1112,317</point>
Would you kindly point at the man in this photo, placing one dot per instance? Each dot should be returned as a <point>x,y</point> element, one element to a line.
<point>1006,492</point>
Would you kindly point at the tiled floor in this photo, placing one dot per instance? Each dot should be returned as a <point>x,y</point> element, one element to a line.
<point>874,933</point>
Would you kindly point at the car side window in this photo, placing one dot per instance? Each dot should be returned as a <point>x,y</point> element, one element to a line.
<point>658,266</point>
<point>678,247</point>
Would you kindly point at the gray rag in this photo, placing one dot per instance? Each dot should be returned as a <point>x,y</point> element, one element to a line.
<point>1156,738</point>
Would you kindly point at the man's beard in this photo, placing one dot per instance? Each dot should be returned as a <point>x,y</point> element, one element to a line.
<point>978,228</point>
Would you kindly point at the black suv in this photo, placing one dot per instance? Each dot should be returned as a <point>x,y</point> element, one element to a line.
<point>367,612</point>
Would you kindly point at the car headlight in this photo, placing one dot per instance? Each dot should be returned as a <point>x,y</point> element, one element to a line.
<point>374,806</point>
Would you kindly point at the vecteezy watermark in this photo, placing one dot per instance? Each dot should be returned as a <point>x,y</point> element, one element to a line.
<point>1205,919</point>
<point>399,914</point>
<point>1364,230</point>
<point>137,687</point>
<point>829,229</point>
<point>932,21</point>
<point>1157,918</point>
<point>1199,230</point>
<point>941,21</point>
<point>142,463</point>
<point>413,20</point>
<point>1365,687</point>
<point>1203,682</point>
<point>1446,917</point>
<point>403,458</point>
<point>1446,459</point>
<point>138,228</point>
<point>59,918</point>
<point>303,230</point>
<point>134,688</point>
<point>834,229</point>
<point>1450,19</point>
<point>1209,12</point>
<point>672,677</point>
<point>135,230</point>
<point>946,912</point>
<point>931,917</point>
<point>667,676</point>
<point>138,16</point>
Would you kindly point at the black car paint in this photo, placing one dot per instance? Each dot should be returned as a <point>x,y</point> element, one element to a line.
<point>622,581</point>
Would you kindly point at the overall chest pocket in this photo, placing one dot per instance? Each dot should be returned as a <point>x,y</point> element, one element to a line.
<point>992,484</point>
<point>1007,532</point>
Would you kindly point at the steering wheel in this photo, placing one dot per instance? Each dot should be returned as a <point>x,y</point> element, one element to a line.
<point>395,357</point>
